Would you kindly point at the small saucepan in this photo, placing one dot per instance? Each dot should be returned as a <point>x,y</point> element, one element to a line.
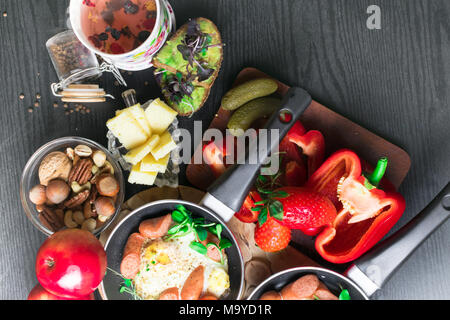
<point>224,198</point>
<point>369,273</point>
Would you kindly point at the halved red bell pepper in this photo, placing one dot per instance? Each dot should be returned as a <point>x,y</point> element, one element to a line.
<point>312,144</point>
<point>365,212</point>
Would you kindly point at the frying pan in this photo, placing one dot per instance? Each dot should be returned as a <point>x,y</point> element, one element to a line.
<point>223,199</point>
<point>371,271</point>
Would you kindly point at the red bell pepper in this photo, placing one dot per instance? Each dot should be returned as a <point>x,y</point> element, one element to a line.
<point>365,212</point>
<point>312,144</point>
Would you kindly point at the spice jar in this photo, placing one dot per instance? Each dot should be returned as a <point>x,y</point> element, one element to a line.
<point>70,56</point>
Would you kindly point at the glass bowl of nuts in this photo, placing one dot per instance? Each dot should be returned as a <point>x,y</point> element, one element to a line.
<point>72,182</point>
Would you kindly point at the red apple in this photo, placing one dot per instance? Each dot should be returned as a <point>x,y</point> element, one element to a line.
<point>39,293</point>
<point>71,263</point>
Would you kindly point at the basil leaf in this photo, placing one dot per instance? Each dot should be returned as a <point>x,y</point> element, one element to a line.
<point>345,295</point>
<point>201,233</point>
<point>197,246</point>
<point>276,210</point>
<point>225,243</point>
<point>178,217</point>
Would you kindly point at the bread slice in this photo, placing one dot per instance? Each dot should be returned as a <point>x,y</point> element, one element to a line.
<point>170,64</point>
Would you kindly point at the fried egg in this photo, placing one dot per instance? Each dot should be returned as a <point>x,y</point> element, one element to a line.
<point>167,264</point>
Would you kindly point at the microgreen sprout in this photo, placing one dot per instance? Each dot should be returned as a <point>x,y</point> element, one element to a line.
<point>127,285</point>
<point>186,224</point>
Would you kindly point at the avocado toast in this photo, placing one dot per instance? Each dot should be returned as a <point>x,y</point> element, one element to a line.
<point>188,64</point>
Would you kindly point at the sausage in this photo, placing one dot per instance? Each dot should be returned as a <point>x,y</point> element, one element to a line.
<point>323,293</point>
<point>131,260</point>
<point>130,265</point>
<point>208,297</point>
<point>134,244</point>
<point>193,287</point>
<point>301,288</point>
<point>155,228</point>
<point>271,295</point>
<point>170,294</point>
<point>213,252</point>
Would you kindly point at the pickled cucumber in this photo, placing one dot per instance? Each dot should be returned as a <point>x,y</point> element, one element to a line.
<point>248,91</point>
<point>243,117</point>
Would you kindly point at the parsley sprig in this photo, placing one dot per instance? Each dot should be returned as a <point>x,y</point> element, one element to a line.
<point>186,224</point>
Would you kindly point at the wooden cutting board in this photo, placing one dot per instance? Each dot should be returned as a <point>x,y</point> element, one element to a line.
<point>339,132</point>
<point>258,264</point>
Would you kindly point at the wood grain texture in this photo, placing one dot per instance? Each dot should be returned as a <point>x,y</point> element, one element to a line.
<point>394,82</point>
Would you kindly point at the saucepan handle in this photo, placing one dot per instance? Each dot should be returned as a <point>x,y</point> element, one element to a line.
<point>372,270</point>
<point>226,195</point>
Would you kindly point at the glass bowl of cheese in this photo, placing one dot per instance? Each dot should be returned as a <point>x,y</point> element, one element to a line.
<point>145,140</point>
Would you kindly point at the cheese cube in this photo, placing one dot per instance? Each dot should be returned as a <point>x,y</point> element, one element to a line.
<point>150,164</point>
<point>137,154</point>
<point>159,116</point>
<point>144,178</point>
<point>139,115</point>
<point>164,147</point>
<point>127,130</point>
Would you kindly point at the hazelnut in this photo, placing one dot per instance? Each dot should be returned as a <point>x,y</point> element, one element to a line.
<point>107,185</point>
<point>104,206</point>
<point>57,191</point>
<point>37,194</point>
<point>99,158</point>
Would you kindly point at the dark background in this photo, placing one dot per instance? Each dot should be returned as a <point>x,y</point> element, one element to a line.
<point>393,81</point>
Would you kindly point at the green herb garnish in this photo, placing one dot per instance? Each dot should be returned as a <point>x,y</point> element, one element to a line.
<point>127,286</point>
<point>344,295</point>
<point>185,224</point>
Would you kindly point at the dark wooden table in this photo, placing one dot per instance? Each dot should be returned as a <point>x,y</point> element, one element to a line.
<point>394,81</point>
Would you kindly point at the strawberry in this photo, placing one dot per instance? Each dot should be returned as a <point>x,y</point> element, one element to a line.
<point>272,236</point>
<point>302,208</point>
<point>246,214</point>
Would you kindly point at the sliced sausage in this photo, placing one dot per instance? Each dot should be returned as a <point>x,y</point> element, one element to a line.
<point>134,244</point>
<point>193,287</point>
<point>155,228</point>
<point>131,260</point>
<point>271,295</point>
<point>301,288</point>
<point>213,253</point>
<point>130,265</point>
<point>323,293</point>
<point>209,297</point>
<point>170,294</point>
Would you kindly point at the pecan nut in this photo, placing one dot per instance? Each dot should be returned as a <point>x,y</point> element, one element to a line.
<point>81,171</point>
<point>52,219</point>
<point>77,200</point>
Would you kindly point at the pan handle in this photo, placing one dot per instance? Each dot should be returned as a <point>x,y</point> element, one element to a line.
<point>375,268</point>
<point>226,195</point>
